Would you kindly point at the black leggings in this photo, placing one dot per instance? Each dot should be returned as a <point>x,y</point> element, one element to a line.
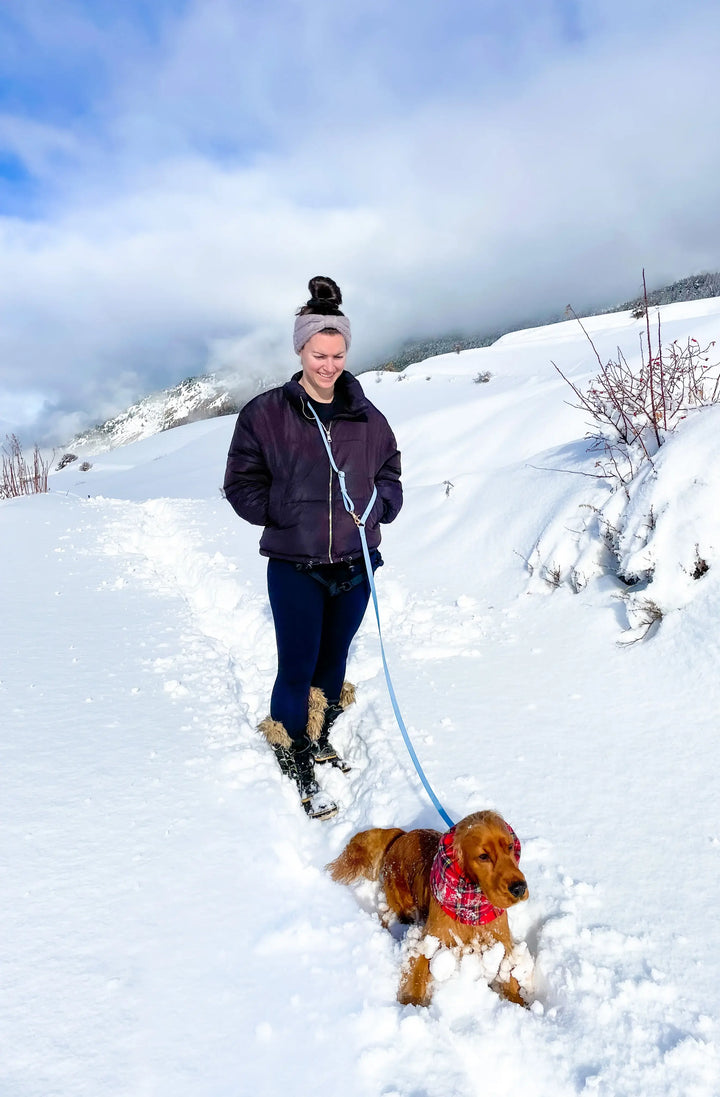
<point>313,630</point>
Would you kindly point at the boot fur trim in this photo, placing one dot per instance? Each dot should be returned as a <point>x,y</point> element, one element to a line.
<point>347,695</point>
<point>317,703</point>
<point>275,733</point>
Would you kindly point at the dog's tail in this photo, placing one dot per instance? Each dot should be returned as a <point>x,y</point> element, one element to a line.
<point>363,855</point>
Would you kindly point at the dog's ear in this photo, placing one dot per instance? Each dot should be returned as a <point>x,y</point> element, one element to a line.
<point>459,855</point>
<point>458,848</point>
<point>469,849</point>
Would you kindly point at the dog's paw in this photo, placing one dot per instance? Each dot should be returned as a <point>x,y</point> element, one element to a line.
<point>408,997</point>
<point>519,967</point>
<point>415,983</point>
<point>511,991</point>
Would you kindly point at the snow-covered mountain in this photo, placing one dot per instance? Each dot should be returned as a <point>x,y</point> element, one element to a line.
<point>167,925</point>
<point>195,398</point>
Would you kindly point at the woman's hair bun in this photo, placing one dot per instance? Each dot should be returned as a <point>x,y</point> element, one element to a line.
<point>325,296</point>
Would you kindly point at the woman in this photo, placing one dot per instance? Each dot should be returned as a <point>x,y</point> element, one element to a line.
<point>279,476</point>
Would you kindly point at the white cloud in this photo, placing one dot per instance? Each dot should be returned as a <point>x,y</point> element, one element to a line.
<point>191,220</point>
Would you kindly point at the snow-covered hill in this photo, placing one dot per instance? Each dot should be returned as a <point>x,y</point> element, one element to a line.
<point>168,927</point>
<point>195,398</point>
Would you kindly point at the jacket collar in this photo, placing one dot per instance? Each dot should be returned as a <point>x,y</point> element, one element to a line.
<point>347,387</point>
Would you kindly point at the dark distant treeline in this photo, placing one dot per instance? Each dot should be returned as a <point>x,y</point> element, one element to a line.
<point>694,288</point>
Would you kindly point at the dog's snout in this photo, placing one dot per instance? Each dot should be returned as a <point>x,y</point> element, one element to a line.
<point>517,889</point>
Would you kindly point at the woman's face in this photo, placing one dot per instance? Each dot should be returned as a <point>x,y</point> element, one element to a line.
<point>322,360</point>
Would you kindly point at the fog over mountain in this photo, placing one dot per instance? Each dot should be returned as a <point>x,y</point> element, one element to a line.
<point>229,387</point>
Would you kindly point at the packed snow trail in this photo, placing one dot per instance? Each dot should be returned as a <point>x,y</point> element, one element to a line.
<point>172,929</point>
<point>589,982</point>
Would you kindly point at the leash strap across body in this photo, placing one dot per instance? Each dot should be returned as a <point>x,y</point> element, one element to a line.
<point>360,523</point>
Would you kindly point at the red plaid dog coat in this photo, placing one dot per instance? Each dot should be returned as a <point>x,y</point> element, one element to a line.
<point>459,897</point>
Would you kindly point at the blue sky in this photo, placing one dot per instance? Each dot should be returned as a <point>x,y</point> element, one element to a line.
<point>172,173</point>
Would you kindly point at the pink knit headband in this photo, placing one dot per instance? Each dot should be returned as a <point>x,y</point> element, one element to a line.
<point>310,323</point>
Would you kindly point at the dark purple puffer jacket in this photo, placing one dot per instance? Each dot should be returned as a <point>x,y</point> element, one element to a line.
<point>278,474</point>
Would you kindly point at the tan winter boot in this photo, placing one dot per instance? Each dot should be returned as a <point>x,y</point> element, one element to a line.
<point>295,758</point>
<point>321,719</point>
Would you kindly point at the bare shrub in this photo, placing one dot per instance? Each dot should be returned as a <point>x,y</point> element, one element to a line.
<point>701,565</point>
<point>552,575</point>
<point>19,475</point>
<point>645,615</point>
<point>633,410</point>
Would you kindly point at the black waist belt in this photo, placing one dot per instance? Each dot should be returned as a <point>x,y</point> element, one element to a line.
<point>340,578</point>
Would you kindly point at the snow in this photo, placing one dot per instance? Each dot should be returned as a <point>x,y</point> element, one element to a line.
<point>168,928</point>
<point>193,399</point>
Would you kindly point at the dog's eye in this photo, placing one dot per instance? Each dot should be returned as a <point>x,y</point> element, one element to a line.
<point>483,857</point>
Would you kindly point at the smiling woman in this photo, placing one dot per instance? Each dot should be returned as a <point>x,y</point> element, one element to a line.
<point>278,476</point>
<point>322,343</point>
<point>322,360</point>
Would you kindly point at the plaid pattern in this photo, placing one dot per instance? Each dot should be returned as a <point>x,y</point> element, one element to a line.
<point>458,896</point>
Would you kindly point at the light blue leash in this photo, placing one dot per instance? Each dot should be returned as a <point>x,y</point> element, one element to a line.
<point>360,523</point>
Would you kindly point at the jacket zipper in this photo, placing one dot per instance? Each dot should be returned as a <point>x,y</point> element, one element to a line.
<point>330,517</point>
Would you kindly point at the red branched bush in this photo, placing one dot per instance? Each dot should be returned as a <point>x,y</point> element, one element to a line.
<point>633,410</point>
<point>20,476</point>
